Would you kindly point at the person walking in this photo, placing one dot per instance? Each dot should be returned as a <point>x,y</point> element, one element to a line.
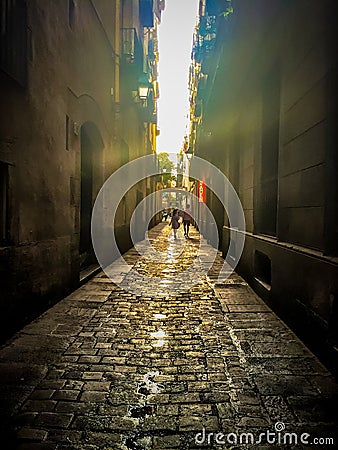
<point>165,214</point>
<point>174,222</point>
<point>187,220</point>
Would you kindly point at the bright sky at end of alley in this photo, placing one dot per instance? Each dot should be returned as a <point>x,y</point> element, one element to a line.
<point>175,45</point>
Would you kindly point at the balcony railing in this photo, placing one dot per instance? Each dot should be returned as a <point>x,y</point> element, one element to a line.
<point>131,47</point>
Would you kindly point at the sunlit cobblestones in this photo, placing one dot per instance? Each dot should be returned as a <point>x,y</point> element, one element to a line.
<point>109,369</point>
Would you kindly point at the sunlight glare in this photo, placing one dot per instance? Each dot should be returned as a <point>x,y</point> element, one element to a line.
<point>175,44</point>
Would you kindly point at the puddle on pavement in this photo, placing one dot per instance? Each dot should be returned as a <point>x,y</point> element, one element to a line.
<point>148,386</point>
<point>134,443</point>
<point>160,316</point>
<point>142,411</point>
<point>169,270</point>
<point>159,343</point>
<point>158,334</point>
<point>166,285</point>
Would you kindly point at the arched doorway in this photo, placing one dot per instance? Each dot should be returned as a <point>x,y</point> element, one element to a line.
<point>91,181</point>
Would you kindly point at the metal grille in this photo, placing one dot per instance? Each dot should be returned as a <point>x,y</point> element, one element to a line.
<point>13,34</point>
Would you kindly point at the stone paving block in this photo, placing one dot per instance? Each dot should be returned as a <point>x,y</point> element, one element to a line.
<point>278,409</point>
<point>105,345</point>
<point>196,386</point>
<point>105,409</point>
<point>158,399</point>
<point>152,417</point>
<point>62,436</point>
<point>122,369</point>
<point>132,397</point>
<point>247,308</point>
<point>253,422</point>
<point>191,369</point>
<point>93,396</point>
<point>217,376</point>
<point>277,349</point>
<point>193,409</point>
<point>89,359</point>
<point>66,394</point>
<point>93,373</point>
<point>267,335</point>
<point>225,410</point>
<point>39,405</point>
<point>104,423</point>
<point>32,434</point>
<point>197,422</point>
<point>51,384</point>
<point>284,385</point>
<point>165,377</point>
<point>54,420</point>
<point>72,384</point>
<point>75,407</point>
<point>249,410</point>
<point>241,382</point>
<point>42,394</point>
<point>166,442</point>
<point>96,386</point>
<point>248,397</point>
<point>237,371</point>
<point>102,440</point>
<point>185,397</point>
<point>215,396</point>
<point>168,410</point>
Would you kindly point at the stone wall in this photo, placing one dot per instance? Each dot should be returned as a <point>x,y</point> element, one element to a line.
<point>66,108</point>
<point>282,52</point>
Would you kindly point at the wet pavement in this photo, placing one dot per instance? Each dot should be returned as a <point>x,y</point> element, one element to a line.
<point>160,368</point>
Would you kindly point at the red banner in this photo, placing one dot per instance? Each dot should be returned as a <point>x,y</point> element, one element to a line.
<point>201,191</point>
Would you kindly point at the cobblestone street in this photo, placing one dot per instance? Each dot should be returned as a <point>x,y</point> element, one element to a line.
<point>109,369</point>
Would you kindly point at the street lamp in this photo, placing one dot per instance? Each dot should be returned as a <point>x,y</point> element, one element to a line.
<point>143,86</point>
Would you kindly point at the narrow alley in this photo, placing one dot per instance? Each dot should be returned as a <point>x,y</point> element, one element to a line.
<point>210,368</point>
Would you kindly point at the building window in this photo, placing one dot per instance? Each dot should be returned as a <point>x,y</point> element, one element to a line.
<point>267,186</point>
<point>13,44</point>
<point>67,132</point>
<point>4,217</point>
<point>262,269</point>
<point>71,13</point>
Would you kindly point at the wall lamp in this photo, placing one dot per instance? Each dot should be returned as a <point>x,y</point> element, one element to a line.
<point>144,86</point>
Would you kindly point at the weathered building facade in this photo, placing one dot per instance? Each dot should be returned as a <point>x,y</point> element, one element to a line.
<point>64,129</point>
<point>263,110</point>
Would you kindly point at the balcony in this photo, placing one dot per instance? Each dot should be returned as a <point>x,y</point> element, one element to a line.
<point>132,51</point>
<point>132,58</point>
